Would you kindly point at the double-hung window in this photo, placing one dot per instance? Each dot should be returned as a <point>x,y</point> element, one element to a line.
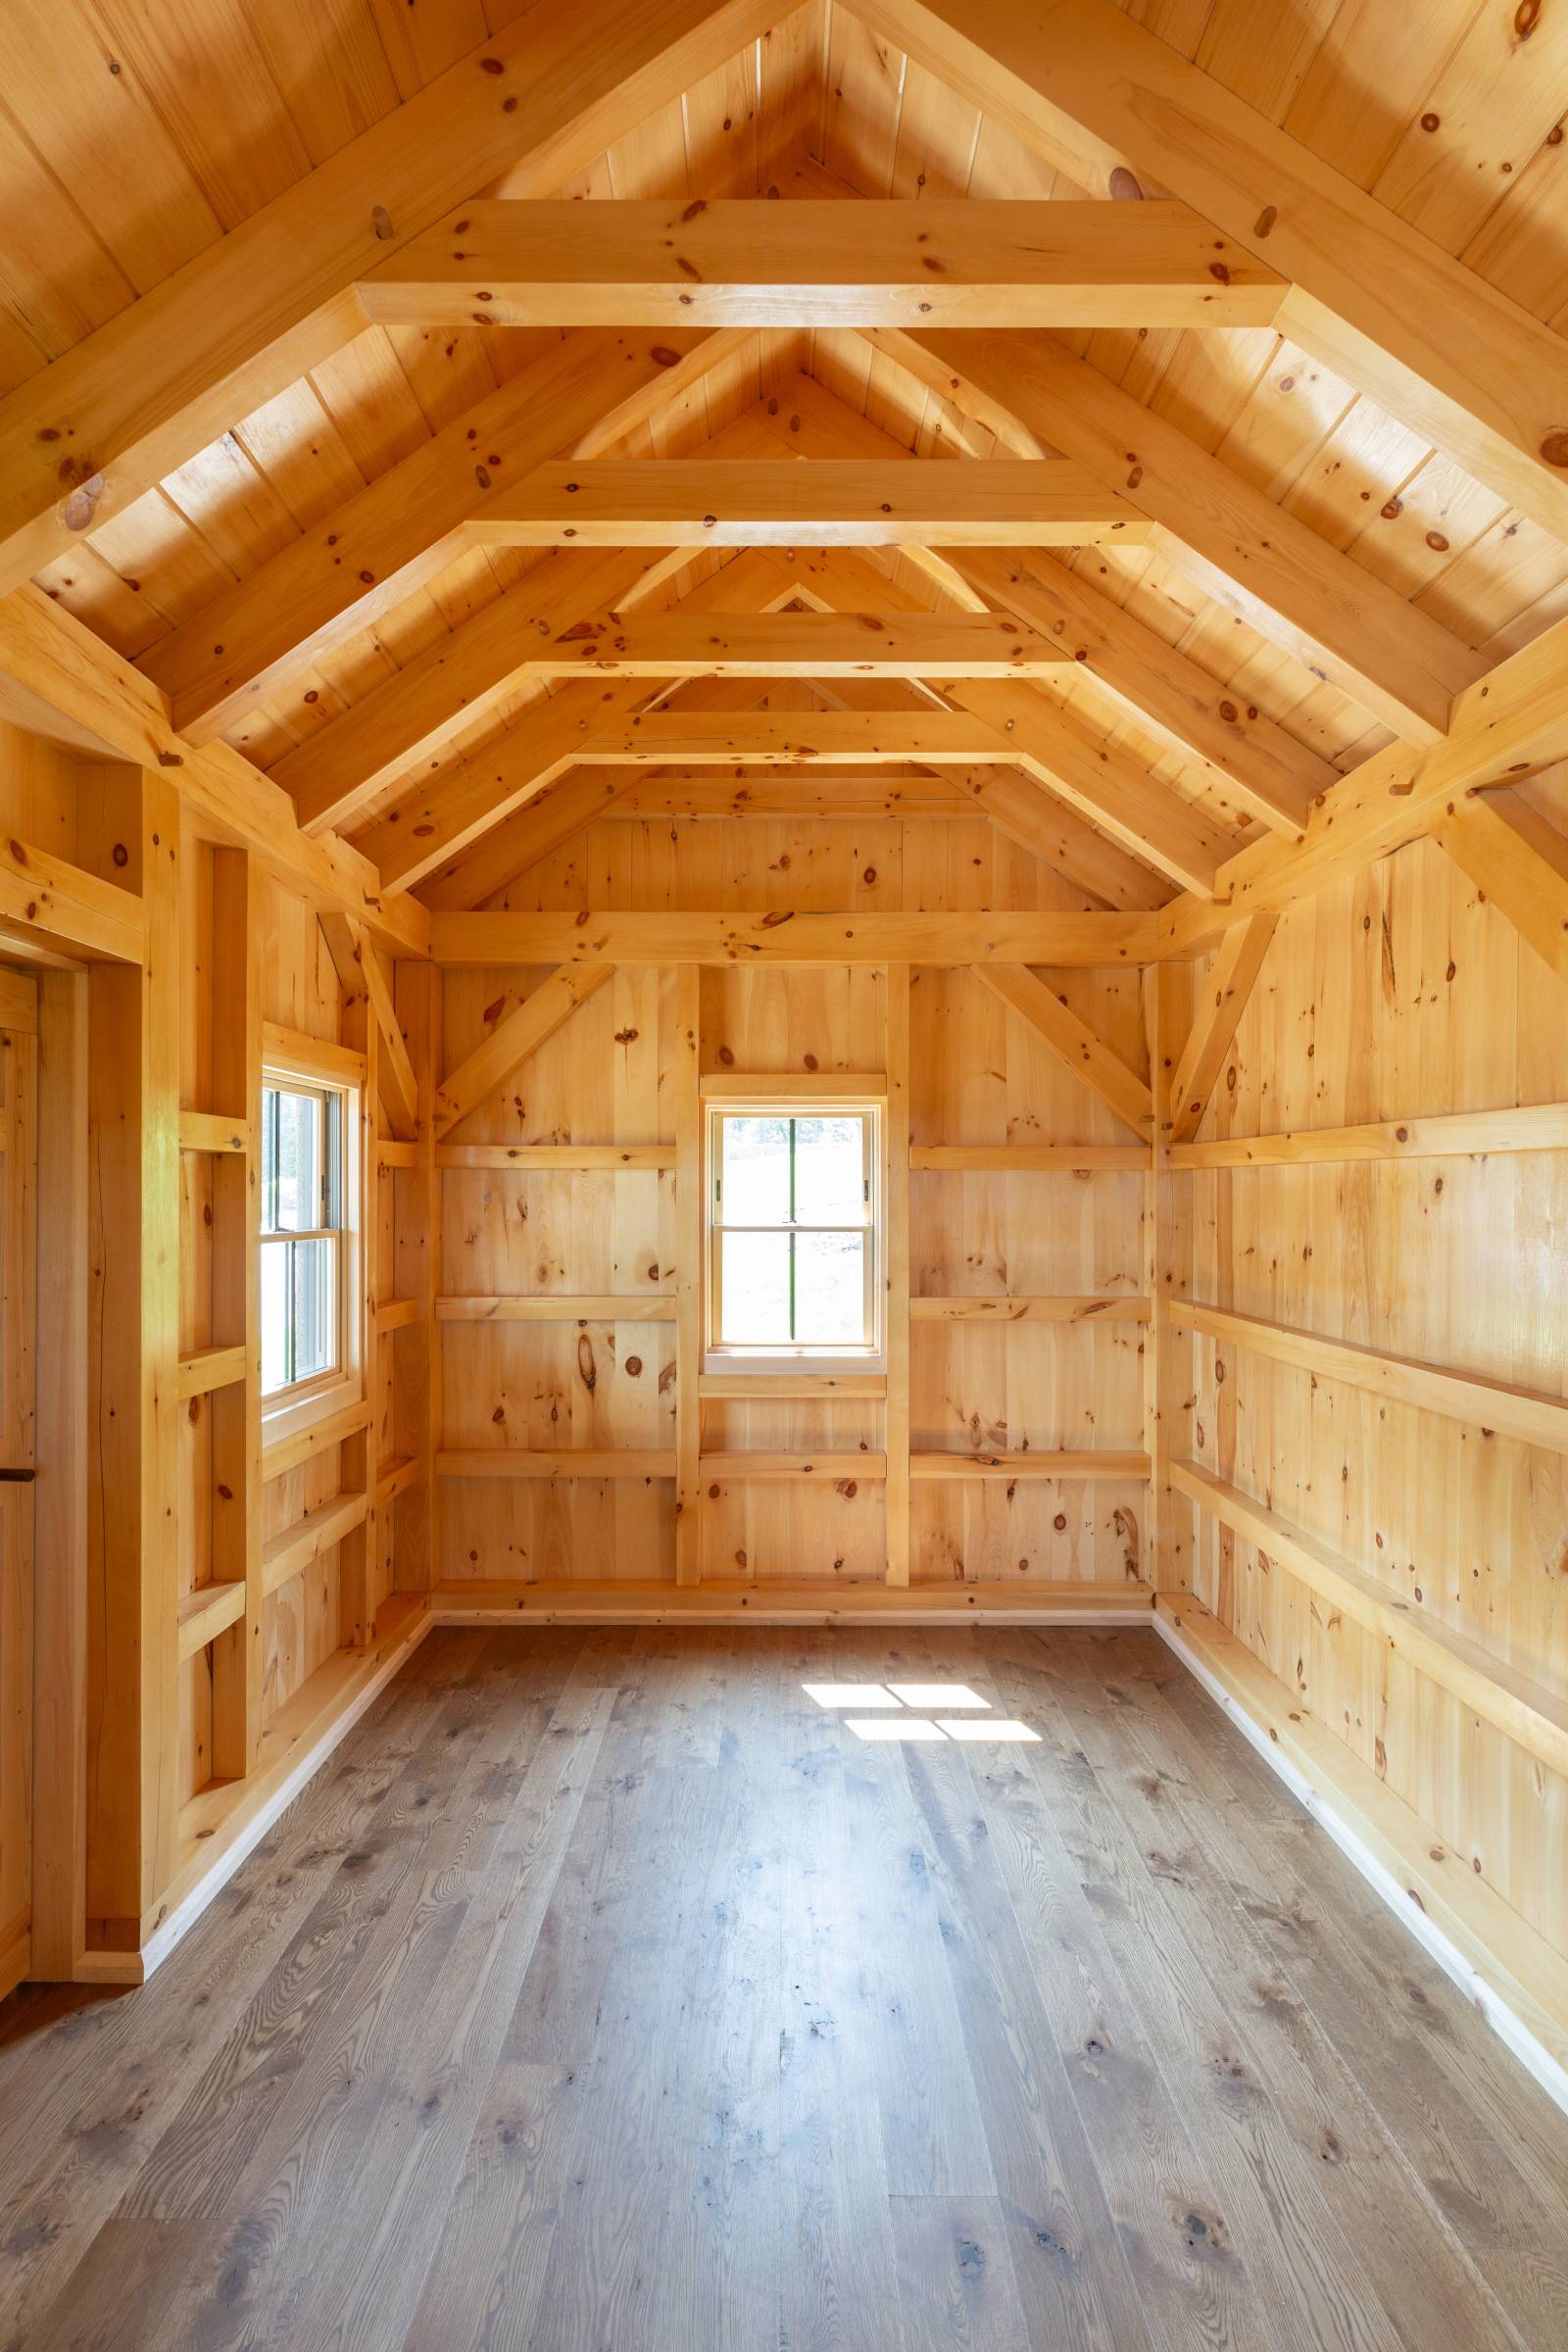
<point>305,1193</point>
<point>793,1215</point>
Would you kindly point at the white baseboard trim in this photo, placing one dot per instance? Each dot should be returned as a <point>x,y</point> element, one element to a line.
<point>184,1916</point>
<point>133,1968</point>
<point>1531,2052</point>
<point>130,1969</point>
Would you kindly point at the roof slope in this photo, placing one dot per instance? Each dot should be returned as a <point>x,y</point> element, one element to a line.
<point>1313,576</point>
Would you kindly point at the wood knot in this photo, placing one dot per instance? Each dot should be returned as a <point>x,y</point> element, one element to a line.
<point>79,508</point>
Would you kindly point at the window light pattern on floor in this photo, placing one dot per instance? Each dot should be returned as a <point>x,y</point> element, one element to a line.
<point>898,1723</point>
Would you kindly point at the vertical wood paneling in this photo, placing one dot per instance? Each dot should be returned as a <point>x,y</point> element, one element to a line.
<point>1396,994</point>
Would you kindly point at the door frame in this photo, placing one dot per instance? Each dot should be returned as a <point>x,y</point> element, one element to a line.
<point>19,1329</point>
<point>60,1488</point>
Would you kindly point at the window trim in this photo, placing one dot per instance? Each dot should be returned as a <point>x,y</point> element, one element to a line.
<point>322,1067</point>
<point>804,1356</point>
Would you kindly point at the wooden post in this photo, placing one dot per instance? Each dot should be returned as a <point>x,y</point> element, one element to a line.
<point>59,1619</point>
<point>689,1225</point>
<point>896,1228</point>
<point>1171,1534</point>
<point>236,1092</point>
<point>133,1791</point>
<point>417,1264</point>
<point>359,1551</point>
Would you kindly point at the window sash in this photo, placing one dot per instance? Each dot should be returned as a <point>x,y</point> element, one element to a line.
<point>316,1256</point>
<point>289,1246</point>
<point>792,1118</point>
<point>329,1124</point>
<point>865,1229</point>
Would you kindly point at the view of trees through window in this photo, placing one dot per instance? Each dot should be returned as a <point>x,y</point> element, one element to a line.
<point>792,1229</point>
<point>302,1215</point>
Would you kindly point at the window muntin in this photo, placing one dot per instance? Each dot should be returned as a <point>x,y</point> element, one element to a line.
<point>792,1210</point>
<point>305,1130</point>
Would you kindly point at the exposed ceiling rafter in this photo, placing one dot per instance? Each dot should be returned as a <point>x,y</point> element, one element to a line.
<point>1267,772</point>
<point>1427,338</point>
<point>373,553</point>
<point>1509,726</point>
<point>265,303</point>
<point>1339,620</point>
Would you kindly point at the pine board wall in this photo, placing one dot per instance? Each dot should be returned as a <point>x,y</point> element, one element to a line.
<point>980,1076</point>
<point>1396,995</point>
<point>302,1625</point>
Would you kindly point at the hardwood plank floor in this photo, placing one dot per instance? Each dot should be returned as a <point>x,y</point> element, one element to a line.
<point>609,1992</point>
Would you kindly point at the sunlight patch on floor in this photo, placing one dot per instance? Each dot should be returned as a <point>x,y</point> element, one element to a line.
<point>892,1727</point>
<point>938,1694</point>
<point>849,1695</point>
<point>898,1724</point>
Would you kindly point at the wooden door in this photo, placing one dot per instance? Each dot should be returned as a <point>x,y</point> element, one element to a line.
<point>19,1160</point>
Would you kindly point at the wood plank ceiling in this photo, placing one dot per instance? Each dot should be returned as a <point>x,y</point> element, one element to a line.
<point>384,684</point>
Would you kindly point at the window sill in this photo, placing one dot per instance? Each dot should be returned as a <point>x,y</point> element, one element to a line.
<point>292,1414</point>
<point>799,1364</point>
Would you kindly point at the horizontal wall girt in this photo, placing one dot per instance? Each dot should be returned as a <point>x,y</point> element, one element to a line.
<point>603,937</point>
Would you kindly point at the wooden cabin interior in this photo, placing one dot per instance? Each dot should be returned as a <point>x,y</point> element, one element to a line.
<point>784,1175</point>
